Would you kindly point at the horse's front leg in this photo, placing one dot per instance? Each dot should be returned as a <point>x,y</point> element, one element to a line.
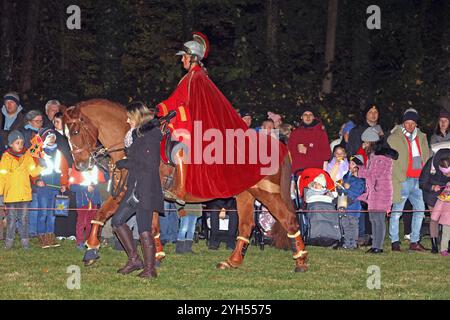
<point>108,208</point>
<point>245,203</point>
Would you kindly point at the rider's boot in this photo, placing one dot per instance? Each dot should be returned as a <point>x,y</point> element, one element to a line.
<point>148,249</point>
<point>126,238</point>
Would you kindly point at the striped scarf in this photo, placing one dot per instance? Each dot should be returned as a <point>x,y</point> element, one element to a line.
<point>417,160</point>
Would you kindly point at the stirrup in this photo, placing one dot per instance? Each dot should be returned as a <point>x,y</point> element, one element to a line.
<point>171,196</point>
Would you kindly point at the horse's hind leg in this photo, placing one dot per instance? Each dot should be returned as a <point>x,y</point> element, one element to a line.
<point>278,208</point>
<point>159,254</point>
<point>245,203</point>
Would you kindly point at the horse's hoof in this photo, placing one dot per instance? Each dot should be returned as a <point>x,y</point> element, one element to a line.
<point>301,269</point>
<point>223,265</point>
<point>90,257</point>
<point>89,263</point>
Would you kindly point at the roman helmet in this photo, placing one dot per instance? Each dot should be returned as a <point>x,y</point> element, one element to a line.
<point>198,47</point>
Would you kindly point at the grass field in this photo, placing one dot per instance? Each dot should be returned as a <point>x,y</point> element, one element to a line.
<point>267,274</point>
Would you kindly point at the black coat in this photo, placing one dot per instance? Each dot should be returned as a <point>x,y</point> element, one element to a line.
<point>64,147</point>
<point>17,125</point>
<point>143,168</point>
<point>354,138</point>
<point>427,180</point>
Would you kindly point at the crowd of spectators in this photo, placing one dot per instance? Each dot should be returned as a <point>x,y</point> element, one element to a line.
<point>377,169</point>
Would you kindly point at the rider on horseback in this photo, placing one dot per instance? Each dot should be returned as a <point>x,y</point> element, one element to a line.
<point>201,106</point>
<point>193,53</point>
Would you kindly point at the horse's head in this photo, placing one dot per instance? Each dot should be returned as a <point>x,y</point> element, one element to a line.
<point>82,136</point>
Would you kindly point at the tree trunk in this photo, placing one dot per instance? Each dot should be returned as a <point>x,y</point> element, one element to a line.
<point>330,44</point>
<point>361,63</point>
<point>62,40</point>
<point>272,30</point>
<point>28,53</point>
<point>6,57</point>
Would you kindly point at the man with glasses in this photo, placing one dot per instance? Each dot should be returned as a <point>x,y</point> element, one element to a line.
<point>34,122</point>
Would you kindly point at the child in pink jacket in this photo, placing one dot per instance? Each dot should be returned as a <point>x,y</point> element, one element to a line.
<point>441,213</point>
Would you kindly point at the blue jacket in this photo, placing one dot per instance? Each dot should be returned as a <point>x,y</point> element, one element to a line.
<point>83,196</point>
<point>357,188</point>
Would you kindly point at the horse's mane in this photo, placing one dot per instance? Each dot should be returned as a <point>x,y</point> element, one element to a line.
<point>100,102</point>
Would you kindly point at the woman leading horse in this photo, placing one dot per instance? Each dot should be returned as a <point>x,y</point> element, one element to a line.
<point>143,194</point>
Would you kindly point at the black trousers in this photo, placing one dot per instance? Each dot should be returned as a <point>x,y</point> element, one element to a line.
<point>144,218</point>
<point>66,226</point>
<point>217,235</point>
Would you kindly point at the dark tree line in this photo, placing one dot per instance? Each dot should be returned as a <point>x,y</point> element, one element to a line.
<point>265,54</point>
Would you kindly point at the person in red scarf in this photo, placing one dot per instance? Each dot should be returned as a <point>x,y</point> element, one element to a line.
<point>201,106</point>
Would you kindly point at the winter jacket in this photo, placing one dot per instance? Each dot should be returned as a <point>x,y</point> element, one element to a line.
<point>441,213</point>
<point>15,172</point>
<point>431,175</point>
<point>64,147</point>
<point>315,139</point>
<point>143,169</point>
<point>56,171</point>
<point>192,209</point>
<point>354,138</point>
<point>79,182</point>
<point>378,175</point>
<point>357,188</point>
<point>436,138</point>
<point>18,123</point>
<point>28,134</point>
<point>397,141</point>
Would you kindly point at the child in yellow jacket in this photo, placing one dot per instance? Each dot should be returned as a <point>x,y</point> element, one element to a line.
<point>16,167</point>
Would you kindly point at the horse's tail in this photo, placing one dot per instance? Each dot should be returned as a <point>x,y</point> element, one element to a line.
<point>280,239</point>
<point>285,183</point>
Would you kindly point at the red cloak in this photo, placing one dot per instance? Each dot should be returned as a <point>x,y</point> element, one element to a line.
<point>198,100</point>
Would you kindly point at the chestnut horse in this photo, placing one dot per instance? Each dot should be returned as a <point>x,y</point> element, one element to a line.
<point>106,121</point>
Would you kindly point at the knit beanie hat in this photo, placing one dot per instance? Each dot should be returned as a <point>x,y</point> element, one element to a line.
<point>305,108</point>
<point>244,113</point>
<point>357,159</point>
<point>12,96</point>
<point>320,179</point>
<point>15,135</point>
<point>46,134</point>
<point>410,114</point>
<point>368,107</point>
<point>370,135</point>
<point>444,114</point>
<point>275,117</point>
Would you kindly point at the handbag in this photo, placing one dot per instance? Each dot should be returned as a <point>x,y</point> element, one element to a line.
<point>61,205</point>
<point>133,200</point>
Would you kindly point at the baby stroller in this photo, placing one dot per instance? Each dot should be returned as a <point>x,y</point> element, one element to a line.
<point>323,228</point>
<point>263,225</point>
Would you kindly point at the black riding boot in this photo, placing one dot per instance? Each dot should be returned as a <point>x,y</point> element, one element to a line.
<point>434,245</point>
<point>148,249</point>
<point>126,238</point>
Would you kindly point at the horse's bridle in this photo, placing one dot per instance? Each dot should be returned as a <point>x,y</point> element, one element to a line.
<point>94,152</point>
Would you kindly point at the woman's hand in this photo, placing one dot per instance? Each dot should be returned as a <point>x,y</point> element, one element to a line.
<point>90,188</point>
<point>40,183</point>
<point>223,214</point>
<point>436,188</point>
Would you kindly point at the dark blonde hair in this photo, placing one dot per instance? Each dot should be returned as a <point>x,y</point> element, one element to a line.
<point>444,162</point>
<point>140,114</point>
